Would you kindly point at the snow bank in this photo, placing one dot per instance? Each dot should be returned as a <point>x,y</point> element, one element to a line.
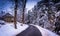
<point>9,30</point>
<point>45,32</point>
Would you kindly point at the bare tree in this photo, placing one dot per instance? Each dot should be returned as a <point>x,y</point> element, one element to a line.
<point>15,14</point>
<point>24,5</point>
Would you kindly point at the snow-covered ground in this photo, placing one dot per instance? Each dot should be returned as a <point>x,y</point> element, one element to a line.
<point>45,32</point>
<point>9,30</point>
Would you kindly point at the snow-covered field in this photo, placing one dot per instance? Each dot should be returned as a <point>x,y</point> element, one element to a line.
<point>9,30</point>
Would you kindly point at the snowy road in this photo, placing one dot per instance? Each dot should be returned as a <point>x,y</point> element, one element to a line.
<point>9,30</point>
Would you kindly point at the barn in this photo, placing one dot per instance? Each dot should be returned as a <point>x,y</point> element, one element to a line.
<point>8,17</point>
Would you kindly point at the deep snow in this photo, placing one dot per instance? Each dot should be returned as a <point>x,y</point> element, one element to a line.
<point>9,30</point>
<point>45,32</point>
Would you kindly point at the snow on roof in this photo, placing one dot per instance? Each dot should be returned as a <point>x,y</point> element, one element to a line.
<point>5,14</point>
<point>9,30</point>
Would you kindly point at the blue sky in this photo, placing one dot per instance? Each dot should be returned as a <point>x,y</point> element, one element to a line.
<point>6,4</point>
<point>30,4</point>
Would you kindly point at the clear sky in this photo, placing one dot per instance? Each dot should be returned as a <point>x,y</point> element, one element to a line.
<point>30,4</point>
<point>6,4</point>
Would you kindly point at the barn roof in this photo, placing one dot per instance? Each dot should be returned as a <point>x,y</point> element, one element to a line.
<point>7,15</point>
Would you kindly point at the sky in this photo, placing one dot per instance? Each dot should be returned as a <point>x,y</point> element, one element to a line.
<point>30,4</point>
<point>6,5</point>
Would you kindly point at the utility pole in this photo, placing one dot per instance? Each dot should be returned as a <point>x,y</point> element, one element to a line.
<point>15,13</point>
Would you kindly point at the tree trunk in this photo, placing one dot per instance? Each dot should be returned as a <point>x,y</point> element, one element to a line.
<point>15,14</point>
<point>24,4</point>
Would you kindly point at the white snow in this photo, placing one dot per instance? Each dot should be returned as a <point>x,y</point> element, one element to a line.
<point>9,30</point>
<point>45,32</point>
<point>57,14</point>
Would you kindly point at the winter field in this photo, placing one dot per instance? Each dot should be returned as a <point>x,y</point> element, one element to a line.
<point>9,30</point>
<point>42,14</point>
